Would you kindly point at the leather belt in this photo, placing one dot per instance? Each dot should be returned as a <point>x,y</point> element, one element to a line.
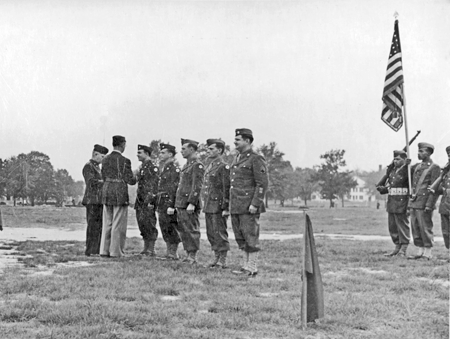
<point>398,191</point>
<point>113,180</point>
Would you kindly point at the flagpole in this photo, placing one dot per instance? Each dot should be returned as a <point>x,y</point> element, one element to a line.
<point>304,279</point>
<point>407,139</point>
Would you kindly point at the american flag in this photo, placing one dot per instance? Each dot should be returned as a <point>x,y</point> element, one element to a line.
<point>393,93</point>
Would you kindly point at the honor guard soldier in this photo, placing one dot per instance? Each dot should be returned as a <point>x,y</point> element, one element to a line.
<point>442,186</point>
<point>422,201</point>
<point>117,175</point>
<point>93,200</point>
<point>147,181</point>
<point>397,204</point>
<point>249,181</point>
<point>167,190</point>
<point>216,194</point>
<point>188,202</point>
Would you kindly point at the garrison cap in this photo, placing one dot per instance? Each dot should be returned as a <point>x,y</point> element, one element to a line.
<point>100,149</point>
<point>401,154</point>
<point>244,131</point>
<point>167,146</point>
<point>117,140</point>
<point>209,142</point>
<point>188,141</point>
<point>145,148</point>
<point>426,145</point>
<point>447,149</point>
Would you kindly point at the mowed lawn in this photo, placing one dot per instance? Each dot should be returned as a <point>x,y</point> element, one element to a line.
<point>366,294</point>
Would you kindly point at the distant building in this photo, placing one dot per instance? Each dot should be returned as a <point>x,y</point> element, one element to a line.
<point>360,192</point>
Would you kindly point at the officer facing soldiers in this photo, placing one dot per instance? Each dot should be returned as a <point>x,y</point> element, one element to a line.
<point>442,186</point>
<point>147,180</point>
<point>167,190</point>
<point>93,200</point>
<point>422,202</point>
<point>249,181</point>
<point>216,194</point>
<point>397,204</point>
<point>188,202</point>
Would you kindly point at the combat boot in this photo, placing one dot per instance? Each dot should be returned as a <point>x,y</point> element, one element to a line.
<point>215,260</point>
<point>222,259</point>
<point>151,248</point>
<point>173,255</point>
<point>145,251</point>
<point>252,264</point>
<point>427,253</point>
<point>402,251</point>
<point>244,266</point>
<point>418,255</point>
<point>394,252</point>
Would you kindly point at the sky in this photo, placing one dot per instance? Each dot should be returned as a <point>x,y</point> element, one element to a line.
<point>308,75</point>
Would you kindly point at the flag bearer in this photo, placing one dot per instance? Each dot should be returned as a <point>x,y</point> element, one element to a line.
<point>397,204</point>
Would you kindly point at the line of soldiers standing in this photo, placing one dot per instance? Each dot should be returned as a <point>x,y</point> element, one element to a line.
<point>428,182</point>
<point>175,195</point>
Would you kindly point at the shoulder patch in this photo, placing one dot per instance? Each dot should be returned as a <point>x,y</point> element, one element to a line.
<point>227,167</point>
<point>155,169</point>
<point>177,170</point>
<point>200,166</point>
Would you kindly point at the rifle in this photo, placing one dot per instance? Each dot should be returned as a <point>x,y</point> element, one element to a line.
<point>391,165</point>
<point>434,187</point>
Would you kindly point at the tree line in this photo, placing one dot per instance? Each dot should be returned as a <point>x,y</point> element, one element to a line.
<point>32,177</point>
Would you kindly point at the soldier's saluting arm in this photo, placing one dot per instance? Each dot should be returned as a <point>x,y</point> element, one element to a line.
<point>261,180</point>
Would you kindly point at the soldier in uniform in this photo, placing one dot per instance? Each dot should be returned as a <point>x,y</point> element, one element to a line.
<point>216,193</point>
<point>188,201</point>
<point>167,190</point>
<point>422,202</point>
<point>147,180</point>
<point>397,204</point>
<point>249,181</point>
<point>117,175</point>
<point>93,199</point>
<point>442,186</point>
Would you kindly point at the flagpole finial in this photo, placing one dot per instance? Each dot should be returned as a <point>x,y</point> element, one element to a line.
<point>396,15</point>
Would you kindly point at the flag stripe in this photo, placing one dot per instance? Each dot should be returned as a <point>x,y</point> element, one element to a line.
<point>391,112</point>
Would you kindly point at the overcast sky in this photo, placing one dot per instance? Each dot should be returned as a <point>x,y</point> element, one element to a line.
<point>306,74</point>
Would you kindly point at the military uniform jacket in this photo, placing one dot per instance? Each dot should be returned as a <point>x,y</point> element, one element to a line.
<point>147,180</point>
<point>421,180</point>
<point>397,203</point>
<point>191,181</point>
<point>444,189</point>
<point>216,187</point>
<point>117,175</point>
<point>167,186</point>
<point>249,181</point>
<point>93,179</point>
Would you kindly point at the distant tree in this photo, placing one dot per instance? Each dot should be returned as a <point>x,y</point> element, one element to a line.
<point>15,174</point>
<point>40,177</point>
<point>78,188</point>
<point>303,183</point>
<point>279,172</point>
<point>63,186</point>
<point>334,183</point>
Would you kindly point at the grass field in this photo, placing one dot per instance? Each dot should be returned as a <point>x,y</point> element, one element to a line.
<point>366,294</point>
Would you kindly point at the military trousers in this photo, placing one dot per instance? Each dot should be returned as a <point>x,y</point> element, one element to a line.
<point>146,219</point>
<point>168,225</point>
<point>399,228</point>
<point>114,232</point>
<point>445,224</point>
<point>216,231</point>
<point>189,229</point>
<point>422,227</point>
<point>246,231</point>
<point>94,215</point>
